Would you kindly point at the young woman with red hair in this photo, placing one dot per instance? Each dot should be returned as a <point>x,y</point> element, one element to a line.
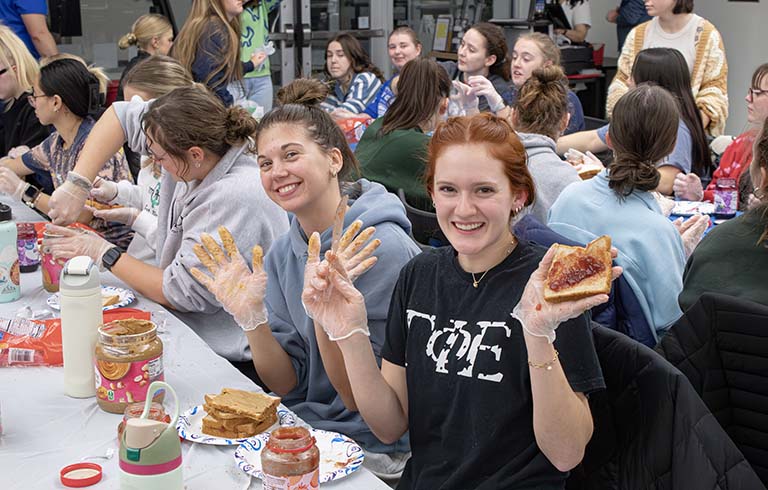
<point>470,358</point>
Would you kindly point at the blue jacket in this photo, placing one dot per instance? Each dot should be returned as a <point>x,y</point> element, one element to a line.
<point>650,248</point>
<point>211,49</point>
<point>383,100</point>
<point>315,399</point>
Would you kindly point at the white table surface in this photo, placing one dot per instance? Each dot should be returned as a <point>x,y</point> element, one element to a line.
<point>45,430</point>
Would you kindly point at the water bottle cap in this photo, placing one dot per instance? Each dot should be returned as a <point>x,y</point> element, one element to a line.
<point>5,212</point>
<point>80,475</point>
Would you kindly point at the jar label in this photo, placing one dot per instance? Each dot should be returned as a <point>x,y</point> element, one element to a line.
<point>726,201</point>
<point>127,382</point>
<point>28,254</point>
<point>307,481</point>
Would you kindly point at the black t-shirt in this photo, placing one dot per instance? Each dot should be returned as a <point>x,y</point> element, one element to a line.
<point>21,126</point>
<point>469,391</point>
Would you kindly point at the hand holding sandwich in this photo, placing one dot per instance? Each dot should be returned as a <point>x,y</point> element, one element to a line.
<point>240,291</point>
<point>539,317</point>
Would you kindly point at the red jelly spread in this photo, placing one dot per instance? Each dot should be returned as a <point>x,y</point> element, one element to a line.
<point>573,270</point>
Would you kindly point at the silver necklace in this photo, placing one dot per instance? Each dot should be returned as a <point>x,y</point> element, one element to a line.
<point>475,281</point>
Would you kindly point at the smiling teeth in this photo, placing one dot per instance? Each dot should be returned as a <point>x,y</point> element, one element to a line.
<point>468,227</point>
<point>287,188</point>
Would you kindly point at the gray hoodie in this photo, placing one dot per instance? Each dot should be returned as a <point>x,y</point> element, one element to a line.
<point>231,195</point>
<point>315,399</point>
<point>550,174</point>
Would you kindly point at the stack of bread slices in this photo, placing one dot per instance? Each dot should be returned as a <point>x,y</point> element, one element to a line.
<point>235,414</point>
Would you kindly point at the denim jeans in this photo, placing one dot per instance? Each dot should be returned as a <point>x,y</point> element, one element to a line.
<point>256,89</point>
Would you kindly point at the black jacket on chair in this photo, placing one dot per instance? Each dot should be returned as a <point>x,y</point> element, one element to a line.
<point>652,431</point>
<point>721,345</point>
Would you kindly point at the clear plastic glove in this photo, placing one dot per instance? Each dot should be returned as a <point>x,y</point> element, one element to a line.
<point>687,187</point>
<point>258,57</point>
<point>67,201</point>
<point>691,231</point>
<point>11,184</point>
<point>541,318</point>
<point>18,151</point>
<point>481,86</point>
<point>462,101</point>
<point>666,204</point>
<point>330,298</point>
<point>76,241</point>
<point>240,291</point>
<point>104,190</point>
<point>124,215</point>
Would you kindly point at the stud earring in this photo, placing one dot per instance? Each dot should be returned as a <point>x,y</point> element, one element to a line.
<point>198,165</point>
<point>334,173</point>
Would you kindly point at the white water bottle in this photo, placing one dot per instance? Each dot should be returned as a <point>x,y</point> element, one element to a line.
<point>81,316</point>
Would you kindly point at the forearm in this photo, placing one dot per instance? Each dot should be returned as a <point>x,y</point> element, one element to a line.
<point>146,279</point>
<point>272,363</point>
<point>583,141</point>
<point>578,34</point>
<point>105,139</point>
<point>45,44</point>
<point>667,181</point>
<point>376,400</point>
<point>562,422</point>
<point>333,362</point>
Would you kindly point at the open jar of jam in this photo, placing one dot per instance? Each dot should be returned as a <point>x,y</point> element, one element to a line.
<point>50,267</point>
<point>291,460</point>
<point>134,411</point>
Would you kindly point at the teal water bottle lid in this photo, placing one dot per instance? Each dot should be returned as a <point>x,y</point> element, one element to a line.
<point>5,212</point>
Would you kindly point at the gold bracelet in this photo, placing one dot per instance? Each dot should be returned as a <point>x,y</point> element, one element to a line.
<point>547,365</point>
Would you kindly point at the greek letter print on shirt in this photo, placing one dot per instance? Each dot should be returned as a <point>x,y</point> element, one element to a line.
<point>469,392</point>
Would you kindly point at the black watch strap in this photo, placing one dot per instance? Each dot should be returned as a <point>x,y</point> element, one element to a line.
<point>110,257</point>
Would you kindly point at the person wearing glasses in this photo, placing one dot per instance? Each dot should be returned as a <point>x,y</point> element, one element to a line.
<point>734,162</point>
<point>63,97</point>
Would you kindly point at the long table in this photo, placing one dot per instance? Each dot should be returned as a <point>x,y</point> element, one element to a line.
<point>45,430</point>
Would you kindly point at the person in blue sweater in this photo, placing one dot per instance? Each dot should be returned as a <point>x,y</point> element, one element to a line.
<point>618,202</point>
<point>306,166</point>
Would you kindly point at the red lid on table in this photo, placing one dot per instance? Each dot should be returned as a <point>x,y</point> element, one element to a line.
<point>80,475</point>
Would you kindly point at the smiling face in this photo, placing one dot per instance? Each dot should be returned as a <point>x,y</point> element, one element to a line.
<point>526,57</point>
<point>296,172</point>
<point>656,8</point>
<point>757,103</point>
<point>473,54</point>
<point>337,62</point>
<point>474,208</point>
<point>402,49</point>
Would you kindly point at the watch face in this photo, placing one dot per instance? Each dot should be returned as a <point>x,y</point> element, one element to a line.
<point>111,256</point>
<point>31,192</point>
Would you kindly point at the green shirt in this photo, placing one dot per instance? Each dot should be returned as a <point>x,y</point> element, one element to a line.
<point>396,160</point>
<point>254,26</point>
<point>728,261</point>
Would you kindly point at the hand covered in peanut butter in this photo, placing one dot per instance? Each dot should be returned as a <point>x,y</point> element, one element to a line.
<point>239,290</point>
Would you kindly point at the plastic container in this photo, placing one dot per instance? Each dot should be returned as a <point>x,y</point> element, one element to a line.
<point>127,358</point>
<point>290,460</point>
<point>50,267</point>
<point>26,245</point>
<point>10,280</point>
<point>81,315</point>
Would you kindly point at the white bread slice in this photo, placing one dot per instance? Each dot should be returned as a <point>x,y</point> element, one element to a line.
<point>598,252</point>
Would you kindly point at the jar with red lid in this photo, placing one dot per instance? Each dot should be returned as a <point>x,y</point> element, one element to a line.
<point>290,460</point>
<point>26,244</point>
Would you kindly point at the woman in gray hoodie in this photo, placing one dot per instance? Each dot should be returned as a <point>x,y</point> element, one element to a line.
<point>540,117</point>
<point>306,167</point>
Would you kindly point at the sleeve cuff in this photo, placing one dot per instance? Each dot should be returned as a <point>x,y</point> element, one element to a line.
<point>144,224</point>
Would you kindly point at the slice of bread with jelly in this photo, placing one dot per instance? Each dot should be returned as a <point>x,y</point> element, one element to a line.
<point>579,272</point>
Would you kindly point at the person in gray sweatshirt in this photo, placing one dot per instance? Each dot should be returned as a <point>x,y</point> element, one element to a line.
<point>209,180</point>
<point>306,166</point>
<point>540,116</point>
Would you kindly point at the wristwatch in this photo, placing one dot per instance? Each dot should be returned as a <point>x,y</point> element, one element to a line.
<point>30,195</point>
<point>110,257</point>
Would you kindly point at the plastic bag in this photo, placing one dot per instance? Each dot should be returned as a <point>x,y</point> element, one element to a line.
<point>354,127</point>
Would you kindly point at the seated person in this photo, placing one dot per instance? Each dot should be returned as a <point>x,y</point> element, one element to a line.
<point>618,203</point>
<point>579,16</point>
<point>305,165</point>
<point>483,55</point>
<point>209,180</point>
<point>667,68</point>
<point>356,80</point>
<point>393,148</point>
<point>403,46</point>
<point>733,257</point>
<point>62,97</point>
<point>476,366</point>
<point>540,115</point>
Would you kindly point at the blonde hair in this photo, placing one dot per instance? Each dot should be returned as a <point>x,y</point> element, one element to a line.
<point>146,28</point>
<point>96,71</point>
<point>14,53</point>
<point>204,13</point>
<point>547,46</point>
<point>157,75</point>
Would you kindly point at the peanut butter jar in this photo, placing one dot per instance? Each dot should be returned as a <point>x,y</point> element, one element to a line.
<point>128,358</point>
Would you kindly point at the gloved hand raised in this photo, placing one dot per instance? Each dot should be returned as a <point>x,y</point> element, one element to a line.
<point>541,318</point>
<point>481,86</point>
<point>11,184</point>
<point>687,187</point>
<point>67,201</point>
<point>691,231</point>
<point>104,190</point>
<point>240,291</point>
<point>461,100</point>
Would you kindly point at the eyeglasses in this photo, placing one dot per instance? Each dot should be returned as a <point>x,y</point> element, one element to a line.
<point>157,158</point>
<point>2,72</point>
<point>755,92</point>
<point>32,99</point>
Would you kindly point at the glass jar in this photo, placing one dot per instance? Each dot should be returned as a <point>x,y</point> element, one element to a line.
<point>726,197</point>
<point>290,460</point>
<point>50,267</point>
<point>128,358</point>
<point>134,411</point>
<point>26,244</point>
